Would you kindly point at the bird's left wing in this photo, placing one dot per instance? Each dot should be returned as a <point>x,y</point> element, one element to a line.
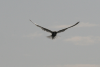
<point>66,28</point>
<point>42,27</point>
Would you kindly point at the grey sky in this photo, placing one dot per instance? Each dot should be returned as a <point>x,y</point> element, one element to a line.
<point>22,44</point>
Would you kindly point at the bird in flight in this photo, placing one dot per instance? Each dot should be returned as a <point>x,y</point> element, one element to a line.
<point>54,33</point>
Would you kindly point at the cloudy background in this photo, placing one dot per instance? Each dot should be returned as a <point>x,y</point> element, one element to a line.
<point>22,44</point>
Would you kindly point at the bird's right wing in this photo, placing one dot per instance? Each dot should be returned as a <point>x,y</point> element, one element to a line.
<point>67,28</point>
<point>42,27</point>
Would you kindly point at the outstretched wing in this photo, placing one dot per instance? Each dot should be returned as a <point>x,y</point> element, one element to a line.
<point>42,28</point>
<point>66,28</point>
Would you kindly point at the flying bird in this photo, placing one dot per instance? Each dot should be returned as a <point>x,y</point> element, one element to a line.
<point>54,33</point>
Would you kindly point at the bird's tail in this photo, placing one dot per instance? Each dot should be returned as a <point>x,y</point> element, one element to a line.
<point>51,37</point>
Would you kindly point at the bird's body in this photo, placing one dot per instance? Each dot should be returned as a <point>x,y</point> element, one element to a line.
<point>53,33</point>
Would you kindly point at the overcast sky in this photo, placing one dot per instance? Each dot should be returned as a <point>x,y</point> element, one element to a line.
<point>22,44</point>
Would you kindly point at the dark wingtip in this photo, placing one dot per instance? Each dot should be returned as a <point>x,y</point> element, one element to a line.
<point>78,22</point>
<point>30,20</point>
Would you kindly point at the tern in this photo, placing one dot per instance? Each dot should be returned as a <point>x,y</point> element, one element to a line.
<point>54,33</point>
